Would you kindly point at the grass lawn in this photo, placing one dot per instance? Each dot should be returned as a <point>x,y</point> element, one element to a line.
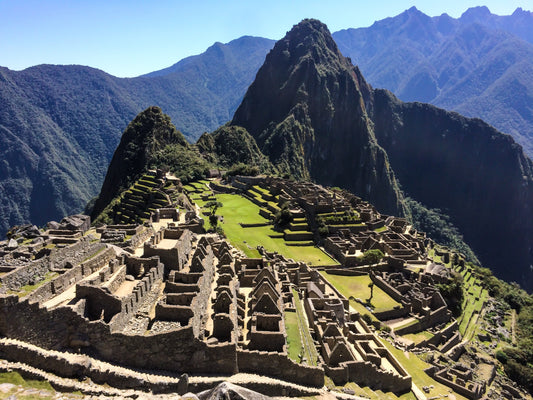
<point>419,337</point>
<point>16,379</point>
<point>362,310</point>
<point>308,346</point>
<point>27,289</point>
<point>237,209</point>
<point>376,394</point>
<point>357,286</point>
<point>294,343</point>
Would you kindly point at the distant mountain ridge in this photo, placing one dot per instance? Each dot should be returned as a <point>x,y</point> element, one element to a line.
<point>59,125</point>
<point>480,64</point>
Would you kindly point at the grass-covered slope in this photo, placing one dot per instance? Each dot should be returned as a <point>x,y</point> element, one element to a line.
<point>231,145</point>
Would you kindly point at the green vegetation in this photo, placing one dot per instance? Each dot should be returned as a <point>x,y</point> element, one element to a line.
<point>283,217</point>
<point>415,367</point>
<point>294,343</point>
<point>237,210</point>
<point>15,378</point>
<point>94,254</point>
<point>308,347</point>
<point>234,148</point>
<point>453,293</point>
<point>358,287</point>
<point>135,204</point>
<point>418,337</point>
<point>370,257</point>
<point>517,359</point>
<point>27,289</point>
<point>437,226</point>
<point>342,218</point>
<point>366,392</point>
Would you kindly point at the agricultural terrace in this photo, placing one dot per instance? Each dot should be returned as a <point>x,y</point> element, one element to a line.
<point>237,210</point>
<point>474,297</point>
<point>473,302</point>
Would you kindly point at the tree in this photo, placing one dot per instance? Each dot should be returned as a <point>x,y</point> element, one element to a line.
<point>283,217</point>
<point>371,257</point>
<point>371,286</point>
<point>453,293</point>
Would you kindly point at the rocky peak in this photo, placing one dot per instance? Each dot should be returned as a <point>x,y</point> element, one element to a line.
<point>306,110</point>
<point>475,14</point>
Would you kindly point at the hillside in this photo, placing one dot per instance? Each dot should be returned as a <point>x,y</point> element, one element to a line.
<point>479,65</point>
<point>306,111</point>
<point>59,125</point>
<point>149,141</point>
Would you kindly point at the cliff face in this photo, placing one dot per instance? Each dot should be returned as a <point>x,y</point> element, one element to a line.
<point>306,111</point>
<point>477,175</point>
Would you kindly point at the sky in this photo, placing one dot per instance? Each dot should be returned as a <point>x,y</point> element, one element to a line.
<point>128,38</point>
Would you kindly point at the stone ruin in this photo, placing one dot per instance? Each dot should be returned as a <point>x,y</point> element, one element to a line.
<point>178,300</point>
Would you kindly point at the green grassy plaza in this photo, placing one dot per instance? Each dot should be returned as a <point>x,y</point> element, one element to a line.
<point>357,286</point>
<point>237,209</point>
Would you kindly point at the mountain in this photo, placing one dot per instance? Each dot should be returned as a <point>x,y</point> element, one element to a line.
<point>480,64</point>
<point>148,140</point>
<point>59,125</point>
<point>306,111</point>
<point>312,113</point>
<point>480,177</point>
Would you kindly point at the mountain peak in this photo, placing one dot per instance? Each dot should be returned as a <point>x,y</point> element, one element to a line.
<point>475,13</point>
<point>306,110</point>
<point>310,35</point>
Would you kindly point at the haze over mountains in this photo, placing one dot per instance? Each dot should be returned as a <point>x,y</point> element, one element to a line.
<point>60,124</point>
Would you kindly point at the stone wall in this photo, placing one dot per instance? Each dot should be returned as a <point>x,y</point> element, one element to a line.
<point>366,374</point>
<point>178,350</point>
<point>439,316</point>
<point>68,278</point>
<point>222,188</point>
<point>395,313</point>
<point>392,292</point>
<point>279,366</point>
<point>58,258</point>
<point>200,302</point>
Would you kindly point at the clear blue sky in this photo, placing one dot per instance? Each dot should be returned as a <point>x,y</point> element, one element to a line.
<point>133,37</point>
